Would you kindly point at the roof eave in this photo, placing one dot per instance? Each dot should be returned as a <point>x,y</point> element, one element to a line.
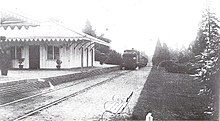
<point>93,39</point>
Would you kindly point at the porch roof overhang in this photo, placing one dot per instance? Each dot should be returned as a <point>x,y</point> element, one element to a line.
<point>47,31</point>
<point>44,39</point>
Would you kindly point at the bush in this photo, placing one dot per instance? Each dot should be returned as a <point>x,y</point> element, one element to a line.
<point>114,58</point>
<point>101,57</point>
<point>173,67</point>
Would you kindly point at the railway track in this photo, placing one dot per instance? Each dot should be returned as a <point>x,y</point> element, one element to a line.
<point>39,94</point>
<point>32,112</point>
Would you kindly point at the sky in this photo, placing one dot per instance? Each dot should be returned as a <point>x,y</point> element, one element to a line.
<point>128,23</point>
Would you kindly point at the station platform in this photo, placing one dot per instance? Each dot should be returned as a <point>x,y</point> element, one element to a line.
<point>22,75</point>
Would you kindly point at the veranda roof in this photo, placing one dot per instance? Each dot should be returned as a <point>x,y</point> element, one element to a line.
<point>18,28</point>
<point>47,31</point>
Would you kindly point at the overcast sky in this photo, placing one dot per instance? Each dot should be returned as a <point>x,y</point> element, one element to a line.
<point>128,23</point>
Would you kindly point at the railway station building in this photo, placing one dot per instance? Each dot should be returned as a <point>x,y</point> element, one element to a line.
<point>40,45</point>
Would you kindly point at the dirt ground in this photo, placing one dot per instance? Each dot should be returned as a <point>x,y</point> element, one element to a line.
<point>90,105</point>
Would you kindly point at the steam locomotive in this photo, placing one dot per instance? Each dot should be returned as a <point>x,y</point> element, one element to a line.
<point>133,59</point>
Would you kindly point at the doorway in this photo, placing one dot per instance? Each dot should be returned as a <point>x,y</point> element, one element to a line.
<point>34,57</point>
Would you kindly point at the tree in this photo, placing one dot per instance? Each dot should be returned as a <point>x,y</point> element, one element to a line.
<point>185,56</point>
<point>156,56</point>
<point>174,54</point>
<point>88,29</point>
<point>199,44</point>
<point>209,57</point>
<point>165,54</point>
<point>161,53</point>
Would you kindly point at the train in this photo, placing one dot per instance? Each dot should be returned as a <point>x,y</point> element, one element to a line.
<point>133,59</point>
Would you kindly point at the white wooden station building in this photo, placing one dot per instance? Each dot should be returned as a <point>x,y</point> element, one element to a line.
<point>41,44</point>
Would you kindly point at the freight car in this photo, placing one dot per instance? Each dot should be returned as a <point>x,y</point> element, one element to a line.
<point>133,59</point>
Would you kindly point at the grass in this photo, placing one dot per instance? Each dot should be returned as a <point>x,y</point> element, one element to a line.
<point>170,96</point>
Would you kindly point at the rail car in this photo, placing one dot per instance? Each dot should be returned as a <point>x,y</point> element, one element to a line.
<point>133,59</point>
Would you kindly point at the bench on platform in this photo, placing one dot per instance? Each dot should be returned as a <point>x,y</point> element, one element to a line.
<point>116,106</point>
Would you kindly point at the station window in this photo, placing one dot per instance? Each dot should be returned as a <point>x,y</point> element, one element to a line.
<point>53,52</point>
<point>15,52</point>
